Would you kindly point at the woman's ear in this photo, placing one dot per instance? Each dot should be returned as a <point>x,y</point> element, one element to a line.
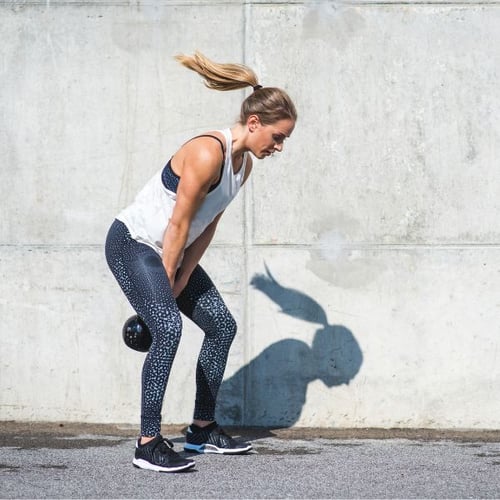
<point>253,123</point>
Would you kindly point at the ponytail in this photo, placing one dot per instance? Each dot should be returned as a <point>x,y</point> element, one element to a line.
<point>219,76</point>
<point>270,104</point>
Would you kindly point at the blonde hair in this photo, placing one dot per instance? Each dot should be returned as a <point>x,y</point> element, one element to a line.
<point>270,104</point>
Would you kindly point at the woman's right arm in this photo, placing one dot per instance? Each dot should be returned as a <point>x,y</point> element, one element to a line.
<point>201,168</point>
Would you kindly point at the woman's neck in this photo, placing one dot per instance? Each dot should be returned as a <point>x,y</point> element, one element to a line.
<point>239,135</point>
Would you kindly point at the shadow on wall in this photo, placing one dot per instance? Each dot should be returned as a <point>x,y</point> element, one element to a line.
<point>271,390</point>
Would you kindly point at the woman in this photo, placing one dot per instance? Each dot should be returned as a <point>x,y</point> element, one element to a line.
<point>154,247</point>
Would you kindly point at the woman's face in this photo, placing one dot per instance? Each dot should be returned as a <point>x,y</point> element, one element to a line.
<point>267,139</point>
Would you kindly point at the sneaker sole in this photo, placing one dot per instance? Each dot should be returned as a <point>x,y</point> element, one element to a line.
<point>210,448</point>
<point>144,464</point>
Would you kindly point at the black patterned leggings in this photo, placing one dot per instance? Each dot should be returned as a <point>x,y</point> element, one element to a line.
<point>140,273</point>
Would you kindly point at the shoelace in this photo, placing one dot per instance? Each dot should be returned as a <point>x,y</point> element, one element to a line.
<point>164,445</point>
<point>226,438</point>
<point>219,430</point>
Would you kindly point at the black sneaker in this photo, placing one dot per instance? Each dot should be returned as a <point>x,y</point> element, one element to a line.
<point>212,439</point>
<point>158,455</point>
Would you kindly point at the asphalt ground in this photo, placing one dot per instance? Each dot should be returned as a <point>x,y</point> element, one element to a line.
<point>86,461</point>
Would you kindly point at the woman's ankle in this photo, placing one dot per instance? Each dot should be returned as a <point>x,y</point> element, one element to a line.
<point>145,439</point>
<point>202,423</point>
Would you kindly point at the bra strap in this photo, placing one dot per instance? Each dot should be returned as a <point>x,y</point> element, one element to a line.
<point>217,139</point>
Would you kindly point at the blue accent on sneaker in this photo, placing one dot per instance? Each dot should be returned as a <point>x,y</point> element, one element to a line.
<point>213,439</point>
<point>194,447</point>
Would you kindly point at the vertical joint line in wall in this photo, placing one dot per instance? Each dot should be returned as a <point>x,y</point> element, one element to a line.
<point>247,221</point>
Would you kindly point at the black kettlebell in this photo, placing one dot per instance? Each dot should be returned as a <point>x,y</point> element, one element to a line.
<point>136,334</point>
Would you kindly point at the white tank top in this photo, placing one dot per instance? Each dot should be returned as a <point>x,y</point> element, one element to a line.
<point>148,215</point>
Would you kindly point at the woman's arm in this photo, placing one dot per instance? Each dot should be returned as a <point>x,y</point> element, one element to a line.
<point>193,255</point>
<point>200,165</point>
<point>195,251</point>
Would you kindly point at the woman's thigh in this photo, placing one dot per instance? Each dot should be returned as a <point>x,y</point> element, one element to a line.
<point>201,302</point>
<point>140,273</point>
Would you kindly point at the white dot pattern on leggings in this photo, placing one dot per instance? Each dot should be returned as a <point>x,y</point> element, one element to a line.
<point>140,273</point>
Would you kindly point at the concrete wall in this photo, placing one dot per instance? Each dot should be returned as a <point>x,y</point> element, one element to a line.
<point>362,263</point>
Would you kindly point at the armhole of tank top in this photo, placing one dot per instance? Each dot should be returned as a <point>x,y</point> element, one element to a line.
<point>171,180</point>
<point>214,186</point>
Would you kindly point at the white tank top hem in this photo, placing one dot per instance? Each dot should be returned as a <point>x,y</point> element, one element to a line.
<point>148,215</point>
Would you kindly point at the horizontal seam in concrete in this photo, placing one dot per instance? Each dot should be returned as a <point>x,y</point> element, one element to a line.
<point>427,4</point>
<point>297,246</point>
<point>424,3</point>
<point>197,3</point>
<point>384,246</point>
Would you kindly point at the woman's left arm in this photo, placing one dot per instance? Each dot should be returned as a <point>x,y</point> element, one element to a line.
<point>195,251</point>
<point>193,255</point>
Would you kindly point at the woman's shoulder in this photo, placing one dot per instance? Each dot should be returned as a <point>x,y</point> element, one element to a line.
<point>201,152</point>
<point>210,142</point>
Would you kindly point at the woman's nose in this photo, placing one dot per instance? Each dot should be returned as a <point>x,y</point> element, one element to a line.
<point>278,147</point>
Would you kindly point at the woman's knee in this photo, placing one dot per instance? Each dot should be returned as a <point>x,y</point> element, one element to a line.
<point>229,324</point>
<point>166,329</point>
<point>220,323</point>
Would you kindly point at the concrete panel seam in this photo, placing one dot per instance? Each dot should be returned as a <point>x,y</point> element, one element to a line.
<point>424,3</point>
<point>298,246</point>
<point>209,3</point>
<point>383,246</point>
<point>119,3</point>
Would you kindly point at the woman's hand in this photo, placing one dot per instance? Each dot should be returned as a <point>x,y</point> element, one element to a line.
<point>180,283</point>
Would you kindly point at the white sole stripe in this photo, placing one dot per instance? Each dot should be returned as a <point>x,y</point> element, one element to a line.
<point>144,464</point>
<point>210,448</point>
